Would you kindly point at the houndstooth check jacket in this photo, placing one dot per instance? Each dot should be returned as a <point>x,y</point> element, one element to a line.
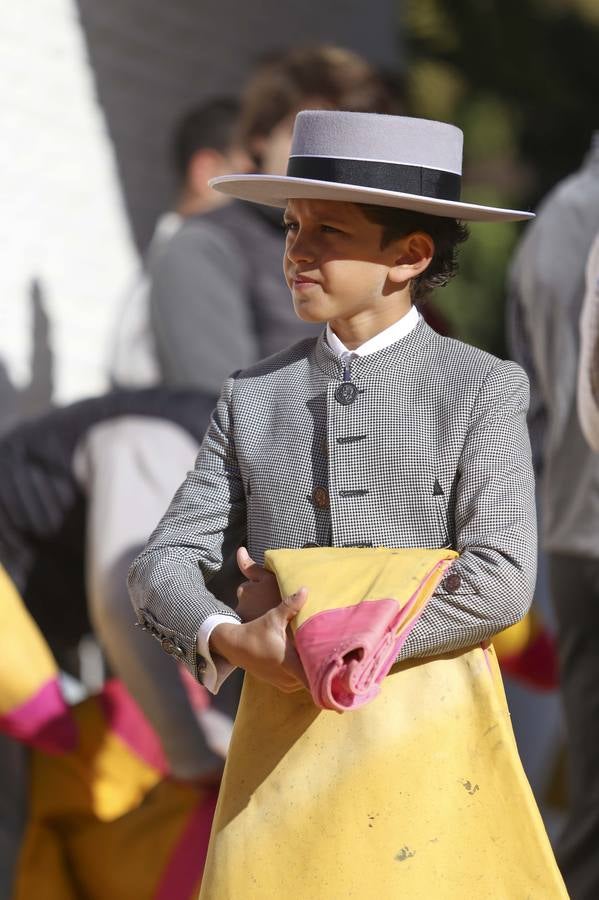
<point>429,449</point>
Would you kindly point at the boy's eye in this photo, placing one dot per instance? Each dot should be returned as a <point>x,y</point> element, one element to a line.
<point>325,229</point>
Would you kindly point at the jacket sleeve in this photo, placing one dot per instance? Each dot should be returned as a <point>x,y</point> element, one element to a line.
<point>206,520</point>
<point>490,586</point>
<point>200,312</point>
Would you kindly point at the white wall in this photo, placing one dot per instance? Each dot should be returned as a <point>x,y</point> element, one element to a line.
<point>63,221</point>
<point>89,90</point>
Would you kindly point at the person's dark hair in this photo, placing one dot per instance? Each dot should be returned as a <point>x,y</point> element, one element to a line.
<point>447,235</point>
<point>209,126</point>
<point>310,77</point>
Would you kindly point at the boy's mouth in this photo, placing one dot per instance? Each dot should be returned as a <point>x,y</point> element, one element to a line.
<point>303,281</point>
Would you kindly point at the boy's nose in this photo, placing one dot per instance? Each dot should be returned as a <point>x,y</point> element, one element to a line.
<point>299,250</point>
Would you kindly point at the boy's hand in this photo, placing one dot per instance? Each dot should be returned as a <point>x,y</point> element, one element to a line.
<point>263,646</point>
<point>259,593</point>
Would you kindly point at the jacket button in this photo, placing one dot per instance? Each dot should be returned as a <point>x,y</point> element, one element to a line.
<point>320,497</point>
<point>452,583</point>
<point>168,645</point>
<point>346,393</point>
<point>309,544</point>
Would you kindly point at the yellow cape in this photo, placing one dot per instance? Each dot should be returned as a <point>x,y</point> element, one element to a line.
<point>103,822</point>
<point>419,794</point>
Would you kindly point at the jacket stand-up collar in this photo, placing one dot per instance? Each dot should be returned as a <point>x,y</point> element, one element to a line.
<point>393,357</point>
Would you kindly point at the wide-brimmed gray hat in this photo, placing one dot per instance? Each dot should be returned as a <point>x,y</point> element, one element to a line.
<point>408,163</point>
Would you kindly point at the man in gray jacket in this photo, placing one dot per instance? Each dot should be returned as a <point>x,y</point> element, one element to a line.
<point>203,146</point>
<point>547,283</point>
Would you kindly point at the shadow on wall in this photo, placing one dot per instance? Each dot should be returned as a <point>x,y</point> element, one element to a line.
<point>151,61</point>
<point>36,396</point>
<point>145,59</point>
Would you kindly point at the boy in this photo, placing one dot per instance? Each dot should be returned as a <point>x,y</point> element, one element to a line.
<point>380,432</point>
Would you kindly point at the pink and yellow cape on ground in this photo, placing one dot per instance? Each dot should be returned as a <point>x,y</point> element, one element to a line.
<point>104,820</point>
<point>416,793</point>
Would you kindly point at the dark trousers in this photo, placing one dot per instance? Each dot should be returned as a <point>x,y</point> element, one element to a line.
<point>575,594</point>
<point>14,776</point>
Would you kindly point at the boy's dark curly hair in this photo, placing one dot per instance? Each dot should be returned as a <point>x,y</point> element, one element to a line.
<point>447,235</point>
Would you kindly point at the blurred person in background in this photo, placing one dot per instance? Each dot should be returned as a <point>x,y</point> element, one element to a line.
<point>81,489</point>
<point>203,146</point>
<point>218,297</point>
<point>546,289</point>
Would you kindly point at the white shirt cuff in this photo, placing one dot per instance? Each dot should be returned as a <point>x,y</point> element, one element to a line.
<point>217,670</point>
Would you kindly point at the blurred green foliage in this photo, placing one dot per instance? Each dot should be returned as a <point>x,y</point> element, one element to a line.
<point>521,78</point>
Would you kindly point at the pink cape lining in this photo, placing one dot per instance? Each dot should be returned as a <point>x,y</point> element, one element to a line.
<point>43,721</point>
<point>187,860</point>
<point>346,652</point>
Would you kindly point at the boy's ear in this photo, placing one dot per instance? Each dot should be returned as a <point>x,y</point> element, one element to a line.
<point>414,253</point>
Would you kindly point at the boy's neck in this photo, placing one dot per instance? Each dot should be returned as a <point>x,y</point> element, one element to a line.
<point>362,327</point>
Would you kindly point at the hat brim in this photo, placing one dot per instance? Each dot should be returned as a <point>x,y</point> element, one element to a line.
<point>276,190</point>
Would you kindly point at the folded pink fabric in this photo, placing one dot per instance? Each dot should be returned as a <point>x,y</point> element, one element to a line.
<point>347,652</point>
<point>44,721</point>
<point>361,605</point>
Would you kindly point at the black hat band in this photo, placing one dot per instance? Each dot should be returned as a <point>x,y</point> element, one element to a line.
<point>395,177</point>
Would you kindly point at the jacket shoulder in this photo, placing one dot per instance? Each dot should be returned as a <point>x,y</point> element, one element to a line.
<point>295,355</point>
<point>462,355</point>
<point>471,364</point>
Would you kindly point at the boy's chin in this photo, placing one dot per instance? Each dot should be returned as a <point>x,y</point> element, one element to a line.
<point>309,312</point>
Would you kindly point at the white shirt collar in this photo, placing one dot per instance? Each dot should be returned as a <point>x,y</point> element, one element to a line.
<point>381,340</point>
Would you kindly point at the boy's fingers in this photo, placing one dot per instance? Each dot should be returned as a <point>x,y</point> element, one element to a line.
<point>251,570</point>
<point>247,589</point>
<point>290,606</point>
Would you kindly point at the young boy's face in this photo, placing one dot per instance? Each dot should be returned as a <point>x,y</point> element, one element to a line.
<point>335,265</point>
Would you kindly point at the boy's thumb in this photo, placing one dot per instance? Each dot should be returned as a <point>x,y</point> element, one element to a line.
<point>290,606</point>
<point>247,566</point>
